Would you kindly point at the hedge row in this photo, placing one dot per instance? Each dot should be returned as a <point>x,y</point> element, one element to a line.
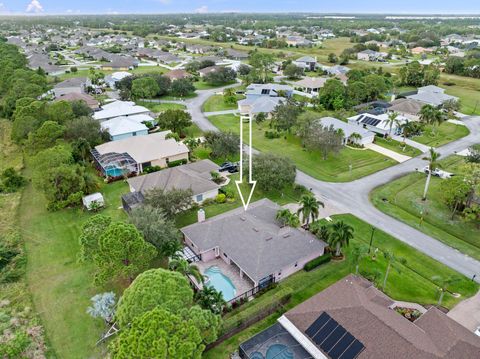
<point>177,163</point>
<point>314,263</point>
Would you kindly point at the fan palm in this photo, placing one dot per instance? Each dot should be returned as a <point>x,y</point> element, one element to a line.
<point>183,266</point>
<point>432,164</point>
<point>340,236</point>
<point>309,207</point>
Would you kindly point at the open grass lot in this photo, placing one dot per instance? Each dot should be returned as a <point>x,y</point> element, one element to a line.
<point>413,283</point>
<point>202,85</point>
<point>149,70</point>
<point>466,88</point>
<point>403,201</point>
<point>161,107</point>
<point>61,287</point>
<point>334,169</point>
<point>397,146</point>
<point>216,103</point>
<point>440,135</point>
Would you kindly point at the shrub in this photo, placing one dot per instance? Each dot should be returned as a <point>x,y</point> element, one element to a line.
<point>152,169</point>
<point>221,198</point>
<point>177,163</point>
<point>314,263</point>
<point>272,134</point>
<point>449,83</point>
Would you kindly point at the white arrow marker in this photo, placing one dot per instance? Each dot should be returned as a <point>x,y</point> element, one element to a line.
<point>250,180</point>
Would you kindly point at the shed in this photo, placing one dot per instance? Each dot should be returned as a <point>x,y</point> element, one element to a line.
<point>93,198</point>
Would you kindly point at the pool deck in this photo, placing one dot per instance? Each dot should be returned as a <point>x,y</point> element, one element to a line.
<point>241,284</point>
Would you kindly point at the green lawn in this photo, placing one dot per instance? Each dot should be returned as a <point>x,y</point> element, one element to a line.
<point>149,70</point>
<point>161,107</point>
<point>202,85</point>
<point>402,199</point>
<point>466,88</point>
<point>413,283</point>
<point>440,135</point>
<point>216,103</point>
<point>287,195</point>
<point>335,168</point>
<point>397,146</point>
<point>61,287</point>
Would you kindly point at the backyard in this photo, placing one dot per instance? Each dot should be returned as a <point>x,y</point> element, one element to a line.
<point>61,287</point>
<point>336,168</point>
<point>412,283</point>
<point>402,199</point>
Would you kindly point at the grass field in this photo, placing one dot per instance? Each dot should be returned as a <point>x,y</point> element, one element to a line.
<point>397,146</point>
<point>335,168</point>
<point>149,70</point>
<point>445,133</point>
<point>402,199</point>
<point>161,107</point>
<point>413,283</point>
<point>216,103</point>
<point>61,287</point>
<point>202,85</point>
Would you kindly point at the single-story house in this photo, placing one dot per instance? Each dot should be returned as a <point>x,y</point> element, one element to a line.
<point>353,319</point>
<point>74,85</point>
<point>133,154</point>
<point>378,123</point>
<point>336,70</point>
<point>370,55</point>
<point>348,129</point>
<point>208,70</point>
<point>177,74</point>
<point>432,95</point>
<point>74,96</point>
<point>421,50</point>
<point>295,40</point>
<point>120,63</point>
<point>253,105</point>
<point>119,108</point>
<point>252,243</point>
<point>308,63</point>
<point>271,90</point>
<point>236,55</point>
<point>124,127</point>
<point>195,176</point>
<point>407,107</point>
<point>310,84</point>
<point>111,80</point>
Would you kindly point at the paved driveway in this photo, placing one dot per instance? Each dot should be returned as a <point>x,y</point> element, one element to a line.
<point>467,312</point>
<point>386,152</point>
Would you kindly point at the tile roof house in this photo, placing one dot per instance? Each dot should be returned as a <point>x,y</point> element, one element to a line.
<point>407,107</point>
<point>253,242</point>
<point>432,95</point>
<point>311,84</point>
<point>195,176</point>
<point>208,70</point>
<point>353,319</point>
<point>74,85</point>
<point>138,152</point>
<point>177,74</point>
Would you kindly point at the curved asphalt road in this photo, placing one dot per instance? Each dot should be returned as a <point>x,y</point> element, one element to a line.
<point>353,197</point>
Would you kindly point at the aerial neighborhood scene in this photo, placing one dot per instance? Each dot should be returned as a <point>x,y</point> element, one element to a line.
<point>239,180</point>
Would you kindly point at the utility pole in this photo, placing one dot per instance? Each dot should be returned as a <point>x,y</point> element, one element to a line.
<point>371,239</point>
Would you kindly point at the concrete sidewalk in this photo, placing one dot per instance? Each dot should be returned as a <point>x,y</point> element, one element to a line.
<point>412,143</point>
<point>389,153</point>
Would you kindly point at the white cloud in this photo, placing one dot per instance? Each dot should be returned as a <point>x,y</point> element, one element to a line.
<point>164,2</point>
<point>34,7</point>
<point>202,9</point>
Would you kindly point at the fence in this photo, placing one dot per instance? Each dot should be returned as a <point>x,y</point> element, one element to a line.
<point>264,284</point>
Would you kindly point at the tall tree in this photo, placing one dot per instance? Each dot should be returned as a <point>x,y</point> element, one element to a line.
<point>340,236</point>
<point>273,172</point>
<point>392,121</point>
<point>183,266</point>
<point>122,253</point>
<point>91,232</point>
<point>175,120</point>
<point>309,208</point>
<point>170,202</point>
<point>287,218</point>
<point>432,165</point>
<point>262,62</point>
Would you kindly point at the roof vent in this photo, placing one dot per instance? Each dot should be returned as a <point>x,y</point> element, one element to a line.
<point>255,229</point>
<point>286,235</point>
<point>243,219</point>
<point>267,239</point>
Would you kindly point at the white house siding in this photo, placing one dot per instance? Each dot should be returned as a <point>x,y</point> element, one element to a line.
<point>206,195</point>
<point>130,134</point>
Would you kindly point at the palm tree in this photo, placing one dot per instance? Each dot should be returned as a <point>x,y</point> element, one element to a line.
<point>392,120</point>
<point>309,208</point>
<point>358,253</point>
<point>444,283</point>
<point>183,266</point>
<point>354,137</point>
<point>431,115</point>
<point>287,218</point>
<point>322,231</point>
<point>210,298</point>
<point>432,164</point>
<point>407,129</point>
<point>391,263</point>
<point>340,236</point>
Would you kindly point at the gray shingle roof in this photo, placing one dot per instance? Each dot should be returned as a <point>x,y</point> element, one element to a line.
<point>195,176</point>
<point>254,240</point>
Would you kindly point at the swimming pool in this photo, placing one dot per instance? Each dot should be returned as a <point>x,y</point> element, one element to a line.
<point>219,281</point>
<point>275,351</point>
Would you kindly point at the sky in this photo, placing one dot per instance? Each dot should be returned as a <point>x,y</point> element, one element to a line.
<point>16,7</point>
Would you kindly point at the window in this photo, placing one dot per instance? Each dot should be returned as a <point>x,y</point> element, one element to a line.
<point>146,165</point>
<point>199,198</point>
<point>225,255</point>
<point>265,91</point>
<point>134,133</point>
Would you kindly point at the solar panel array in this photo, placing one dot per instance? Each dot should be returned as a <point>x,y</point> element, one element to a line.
<point>334,339</point>
<point>369,120</point>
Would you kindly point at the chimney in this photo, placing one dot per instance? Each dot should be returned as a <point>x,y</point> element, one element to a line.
<point>201,215</point>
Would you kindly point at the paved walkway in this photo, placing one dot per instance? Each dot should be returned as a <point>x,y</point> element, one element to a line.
<point>417,145</point>
<point>224,112</point>
<point>467,312</point>
<point>389,153</point>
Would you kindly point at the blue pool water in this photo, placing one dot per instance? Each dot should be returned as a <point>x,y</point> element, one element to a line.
<point>219,281</point>
<point>275,351</point>
<point>114,172</point>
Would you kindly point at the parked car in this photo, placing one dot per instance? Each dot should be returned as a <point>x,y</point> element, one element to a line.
<point>231,167</point>
<point>437,172</point>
